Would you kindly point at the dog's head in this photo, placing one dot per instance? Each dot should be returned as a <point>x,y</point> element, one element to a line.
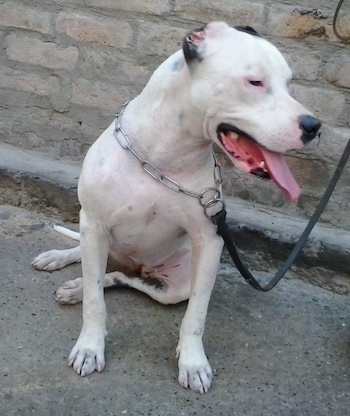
<point>241,80</point>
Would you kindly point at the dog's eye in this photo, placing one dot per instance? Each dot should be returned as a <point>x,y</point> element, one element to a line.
<point>256,83</point>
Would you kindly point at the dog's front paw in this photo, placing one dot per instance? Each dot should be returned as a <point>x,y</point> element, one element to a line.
<point>49,260</point>
<point>87,355</point>
<point>194,369</point>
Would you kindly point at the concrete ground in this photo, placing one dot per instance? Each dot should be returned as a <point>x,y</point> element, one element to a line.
<point>286,352</point>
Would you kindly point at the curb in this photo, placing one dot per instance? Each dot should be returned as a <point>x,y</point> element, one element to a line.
<point>265,236</point>
<point>36,182</point>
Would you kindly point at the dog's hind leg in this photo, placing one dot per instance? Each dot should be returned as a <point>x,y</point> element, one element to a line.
<point>167,283</point>
<point>57,259</point>
<point>72,291</point>
<point>155,287</point>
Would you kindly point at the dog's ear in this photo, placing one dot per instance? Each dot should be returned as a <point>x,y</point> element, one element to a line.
<point>247,29</point>
<point>193,45</point>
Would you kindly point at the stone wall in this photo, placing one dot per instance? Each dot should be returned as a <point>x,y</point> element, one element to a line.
<point>66,66</point>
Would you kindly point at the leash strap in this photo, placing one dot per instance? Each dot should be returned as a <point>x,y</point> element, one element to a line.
<point>219,219</point>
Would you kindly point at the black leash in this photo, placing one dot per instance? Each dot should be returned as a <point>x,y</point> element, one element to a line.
<point>219,219</point>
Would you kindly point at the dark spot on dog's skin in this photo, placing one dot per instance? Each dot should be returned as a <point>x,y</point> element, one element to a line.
<point>118,283</point>
<point>181,120</point>
<point>176,265</point>
<point>130,208</point>
<point>269,91</point>
<point>149,281</point>
<point>165,275</point>
<point>178,65</point>
<point>151,217</point>
<point>181,233</point>
<point>101,162</point>
<point>152,281</point>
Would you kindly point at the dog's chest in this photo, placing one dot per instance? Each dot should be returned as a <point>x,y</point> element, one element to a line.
<point>148,236</point>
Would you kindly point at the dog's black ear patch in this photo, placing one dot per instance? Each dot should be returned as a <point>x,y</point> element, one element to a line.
<point>190,50</point>
<point>247,29</point>
<point>192,45</point>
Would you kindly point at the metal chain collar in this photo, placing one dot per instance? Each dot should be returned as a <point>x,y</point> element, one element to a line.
<point>153,171</point>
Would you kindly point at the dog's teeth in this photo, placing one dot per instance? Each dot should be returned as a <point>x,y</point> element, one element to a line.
<point>262,165</point>
<point>233,135</point>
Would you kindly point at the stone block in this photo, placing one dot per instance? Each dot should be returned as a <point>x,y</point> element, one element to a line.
<point>88,124</point>
<point>16,15</point>
<point>35,52</point>
<point>304,62</point>
<point>90,121</point>
<point>330,146</point>
<point>327,104</point>
<point>90,28</point>
<point>239,12</point>
<point>156,7</point>
<point>310,174</point>
<point>163,41</point>
<point>293,22</point>
<point>100,63</point>
<point>106,96</point>
<point>27,81</point>
<point>338,70</point>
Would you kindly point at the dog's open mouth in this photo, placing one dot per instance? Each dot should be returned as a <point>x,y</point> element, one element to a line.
<point>255,159</point>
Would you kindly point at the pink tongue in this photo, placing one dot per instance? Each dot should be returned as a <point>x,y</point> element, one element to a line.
<point>281,175</point>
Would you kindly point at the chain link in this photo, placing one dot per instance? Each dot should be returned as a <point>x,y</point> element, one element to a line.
<point>125,143</point>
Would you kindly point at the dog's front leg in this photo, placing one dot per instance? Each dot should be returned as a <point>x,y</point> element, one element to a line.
<point>194,369</point>
<point>88,353</point>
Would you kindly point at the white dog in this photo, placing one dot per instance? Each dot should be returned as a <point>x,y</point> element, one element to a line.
<point>145,181</point>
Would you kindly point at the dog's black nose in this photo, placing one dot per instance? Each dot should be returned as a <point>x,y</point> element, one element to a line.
<point>309,126</point>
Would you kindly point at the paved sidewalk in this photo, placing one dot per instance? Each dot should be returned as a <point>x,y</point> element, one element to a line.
<point>286,352</point>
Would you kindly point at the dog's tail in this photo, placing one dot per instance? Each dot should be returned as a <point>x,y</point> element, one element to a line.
<point>68,233</point>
